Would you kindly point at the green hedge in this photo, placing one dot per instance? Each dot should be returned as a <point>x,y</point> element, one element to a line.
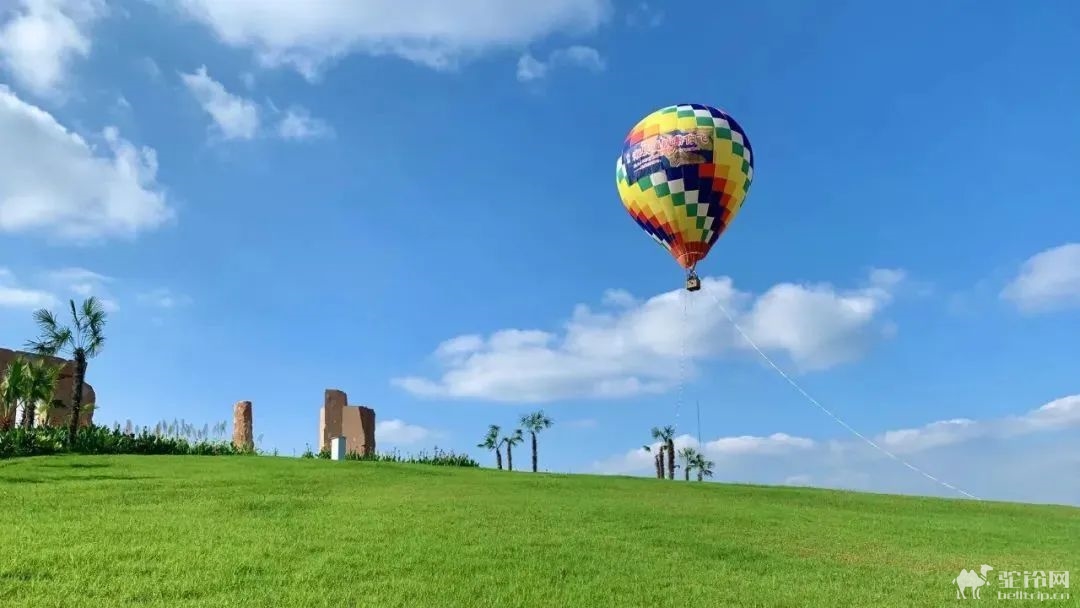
<point>102,440</point>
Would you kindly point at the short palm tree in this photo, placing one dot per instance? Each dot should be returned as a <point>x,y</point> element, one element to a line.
<point>13,390</point>
<point>703,466</point>
<point>511,440</point>
<point>658,459</point>
<point>43,410</point>
<point>689,457</point>
<point>666,436</point>
<point>491,442</point>
<point>82,341</point>
<point>534,423</point>
<point>40,387</point>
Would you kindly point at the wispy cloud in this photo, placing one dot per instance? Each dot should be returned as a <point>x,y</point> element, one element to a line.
<point>14,295</point>
<point>531,69</point>
<point>399,433</point>
<point>240,118</point>
<point>434,33</point>
<point>163,298</point>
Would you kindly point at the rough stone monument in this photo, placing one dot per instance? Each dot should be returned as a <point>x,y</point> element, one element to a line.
<point>65,385</point>
<point>355,423</point>
<point>243,437</point>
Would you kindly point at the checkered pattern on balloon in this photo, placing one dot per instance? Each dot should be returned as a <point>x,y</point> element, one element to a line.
<point>683,174</point>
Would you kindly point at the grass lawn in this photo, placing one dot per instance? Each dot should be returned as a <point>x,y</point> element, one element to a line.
<point>282,532</point>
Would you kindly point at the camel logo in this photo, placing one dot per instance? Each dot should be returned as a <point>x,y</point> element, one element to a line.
<point>969,579</point>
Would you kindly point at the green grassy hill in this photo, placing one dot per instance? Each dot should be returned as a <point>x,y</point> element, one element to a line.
<point>281,532</point>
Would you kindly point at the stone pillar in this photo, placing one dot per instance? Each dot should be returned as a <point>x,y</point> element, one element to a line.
<point>337,448</point>
<point>330,416</point>
<point>243,439</point>
<point>367,429</point>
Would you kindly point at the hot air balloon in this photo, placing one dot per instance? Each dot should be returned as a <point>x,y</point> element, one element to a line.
<point>683,174</point>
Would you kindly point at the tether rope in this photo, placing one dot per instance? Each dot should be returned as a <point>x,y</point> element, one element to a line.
<point>828,413</point>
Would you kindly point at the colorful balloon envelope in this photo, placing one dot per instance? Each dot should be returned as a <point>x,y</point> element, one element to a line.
<point>683,174</point>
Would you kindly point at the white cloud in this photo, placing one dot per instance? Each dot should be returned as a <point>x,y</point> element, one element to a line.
<point>1048,281</point>
<point>54,288</point>
<point>434,33</point>
<point>55,183</point>
<point>1007,458</point>
<point>41,38</point>
<point>13,295</point>
<point>630,346</point>
<point>530,68</point>
<point>80,280</point>
<point>640,460</point>
<point>298,124</point>
<point>163,298</point>
<point>398,432</point>
<point>79,283</point>
<point>935,434</point>
<point>1059,414</point>
<point>238,117</point>
<point>235,116</point>
<point>777,443</point>
<point>645,15</point>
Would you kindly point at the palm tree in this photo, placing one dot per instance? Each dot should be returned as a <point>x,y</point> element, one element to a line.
<point>13,390</point>
<point>491,442</point>
<point>511,440</point>
<point>534,423</point>
<point>43,409</point>
<point>666,435</point>
<point>83,340</point>
<point>40,387</point>
<point>658,459</point>
<point>703,466</point>
<point>689,456</point>
<point>659,452</point>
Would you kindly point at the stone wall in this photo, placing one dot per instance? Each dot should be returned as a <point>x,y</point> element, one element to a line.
<point>355,423</point>
<point>64,387</point>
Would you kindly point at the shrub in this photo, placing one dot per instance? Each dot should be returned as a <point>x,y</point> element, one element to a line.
<point>439,457</point>
<point>102,440</point>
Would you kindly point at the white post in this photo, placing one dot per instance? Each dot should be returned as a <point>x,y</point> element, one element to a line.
<point>337,448</point>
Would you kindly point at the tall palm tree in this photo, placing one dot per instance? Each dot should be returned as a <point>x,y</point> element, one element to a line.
<point>82,341</point>
<point>666,435</point>
<point>40,387</point>
<point>689,457</point>
<point>511,440</point>
<point>492,442</point>
<point>534,423</point>
<point>703,466</point>
<point>12,390</point>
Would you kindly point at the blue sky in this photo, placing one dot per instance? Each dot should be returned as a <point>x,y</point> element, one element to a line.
<point>414,202</point>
